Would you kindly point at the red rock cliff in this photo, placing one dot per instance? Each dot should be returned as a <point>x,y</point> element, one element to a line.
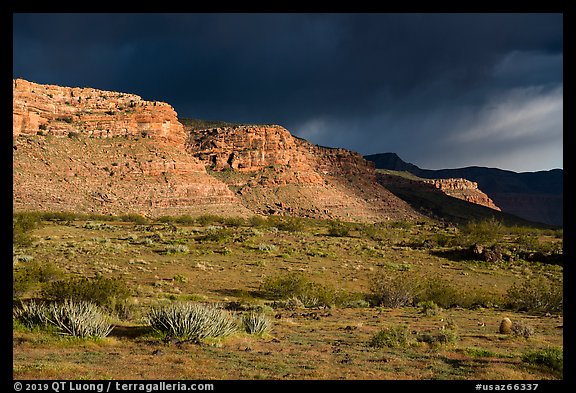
<point>88,150</point>
<point>463,189</point>
<point>56,110</point>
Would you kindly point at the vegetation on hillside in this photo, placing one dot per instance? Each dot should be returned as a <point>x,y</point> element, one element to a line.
<point>405,291</point>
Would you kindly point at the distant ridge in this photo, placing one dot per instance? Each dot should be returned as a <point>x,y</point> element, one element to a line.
<point>535,196</point>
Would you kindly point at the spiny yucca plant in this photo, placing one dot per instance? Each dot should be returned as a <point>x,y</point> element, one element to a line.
<point>192,321</point>
<point>31,313</point>
<point>79,319</point>
<point>256,323</point>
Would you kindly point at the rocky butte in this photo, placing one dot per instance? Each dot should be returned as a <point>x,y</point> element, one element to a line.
<point>90,150</point>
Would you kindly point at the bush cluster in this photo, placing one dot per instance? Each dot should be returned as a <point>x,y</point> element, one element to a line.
<point>339,229</point>
<point>111,294</point>
<point>217,234</point>
<point>483,232</point>
<point>443,337</point>
<point>391,337</point>
<point>297,286</point>
<point>404,288</point>
<point>31,274</point>
<point>287,224</point>
<point>22,225</point>
<point>536,295</point>
<point>550,358</point>
<point>393,290</point>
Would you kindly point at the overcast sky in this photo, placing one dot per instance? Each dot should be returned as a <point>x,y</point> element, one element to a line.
<point>440,90</point>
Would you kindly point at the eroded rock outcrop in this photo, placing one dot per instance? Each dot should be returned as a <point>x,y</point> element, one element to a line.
<point>463,189</point>
<point>83,149</point>
<point>90,150</point>
<point>457,187</point>
<point>277,173</point>
<point>62,111</point>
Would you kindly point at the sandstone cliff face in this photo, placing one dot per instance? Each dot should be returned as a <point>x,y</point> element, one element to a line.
<point>83,149</point>
<point>96,151</point>
<point>457,188</point>
<point>251,149</point>
<point>463,189</point>
<point>282,174</point>
<point>59,111</point>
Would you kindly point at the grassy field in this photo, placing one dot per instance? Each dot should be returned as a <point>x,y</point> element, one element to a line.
<point>396,300</point>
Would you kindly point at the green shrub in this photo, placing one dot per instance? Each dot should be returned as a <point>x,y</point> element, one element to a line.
<point>288,224</point>
<point>482,232</point>
<point>133,217</point>
<point>109,293</point>
<point>99,226</point>
<point>20,285</point>
<point>42,272</point>
<point>22,225</point>
<point>393,289</point>
<point>351,299</point>
<point>208,219</point>
<point>257,221</point>
<point>392,337</point>
<point>443,240</point>
<point>180,278</point>
<point>429,308</point>
<point>263,247</point>
<point>338,229</point>
<point>79,319</point>
<point>184,219</point>
<point>550,358</point>
<point>176,249</point>
<point>295,285</point>
<point>192,321</point>
<point>31,274</point>
<point>443,337</point>
<point>536,295</point>
<point>217,234</point>
<point>440,292</point>
<point>256,323</point>
<point>234,221</point>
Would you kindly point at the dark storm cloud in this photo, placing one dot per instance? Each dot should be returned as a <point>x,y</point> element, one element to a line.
<point>416,84</point>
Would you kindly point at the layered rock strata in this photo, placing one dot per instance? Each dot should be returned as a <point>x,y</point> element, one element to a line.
<point>274,172</point>
<point>463,189</point>
<point>89,150</point>
<point>97,151</point>
<point>457,188</point>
